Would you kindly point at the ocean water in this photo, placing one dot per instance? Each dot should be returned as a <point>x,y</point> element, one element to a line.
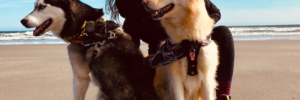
<point>271,32</point>
<point>26,37</point>
<point>240,33</point>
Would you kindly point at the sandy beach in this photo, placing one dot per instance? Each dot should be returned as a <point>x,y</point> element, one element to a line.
<point>264,70</point>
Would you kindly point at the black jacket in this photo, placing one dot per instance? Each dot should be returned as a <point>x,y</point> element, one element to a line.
<point>139,24</point>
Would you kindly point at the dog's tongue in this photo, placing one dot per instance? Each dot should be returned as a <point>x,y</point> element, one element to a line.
<point>37,29</point>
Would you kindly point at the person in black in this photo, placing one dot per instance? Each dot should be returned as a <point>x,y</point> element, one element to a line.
<point>140,26</point>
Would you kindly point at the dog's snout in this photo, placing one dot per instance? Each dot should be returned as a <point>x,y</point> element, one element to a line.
<point>24,21</point>
<point>145,2</point>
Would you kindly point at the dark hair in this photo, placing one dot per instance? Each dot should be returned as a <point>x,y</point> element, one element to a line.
<point>111,8</point>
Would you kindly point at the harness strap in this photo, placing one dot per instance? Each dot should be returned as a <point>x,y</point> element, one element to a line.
<point>170,52</point>
<point>192,58</point>
<point>149,56</point>
<point>193,55</point>
<point>88,26</point>
<point>76,41</point>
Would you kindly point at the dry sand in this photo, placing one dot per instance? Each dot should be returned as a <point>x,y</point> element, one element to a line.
<point>264,70</point>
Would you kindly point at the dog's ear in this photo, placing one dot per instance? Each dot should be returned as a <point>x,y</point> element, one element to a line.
<point>64,1</point>
<point>100,11</point>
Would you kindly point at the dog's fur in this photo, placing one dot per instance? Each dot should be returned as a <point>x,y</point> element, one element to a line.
<point>118,65</point>
<point>188,20</point>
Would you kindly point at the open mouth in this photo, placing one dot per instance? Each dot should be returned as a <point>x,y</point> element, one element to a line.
<point>160,13</point>
<point>41,29</point>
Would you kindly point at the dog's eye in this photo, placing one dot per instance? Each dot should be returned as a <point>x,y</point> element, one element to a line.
<point>42,7</point>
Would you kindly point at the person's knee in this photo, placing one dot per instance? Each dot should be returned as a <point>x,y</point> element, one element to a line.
<point>221,28</point>
<point>221,32</point>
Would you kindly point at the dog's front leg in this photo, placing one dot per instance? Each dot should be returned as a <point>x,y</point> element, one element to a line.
<point>175,81</point>
<point>209,65</point>
<point>208,88</point>
<point>208,83</point>
<point>81,71</point>
<point>81,81</point>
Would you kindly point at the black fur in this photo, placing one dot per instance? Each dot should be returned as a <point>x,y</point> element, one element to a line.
<point>121,68</point>
<point>119,65</point>
<point>76,13</point>
<point>121,71</point>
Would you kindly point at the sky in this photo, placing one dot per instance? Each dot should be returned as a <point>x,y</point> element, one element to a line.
<point>233,12</point>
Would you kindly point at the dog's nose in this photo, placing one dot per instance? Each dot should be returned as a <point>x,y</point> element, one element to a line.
<point>24,21</point>
<point>145,2</point>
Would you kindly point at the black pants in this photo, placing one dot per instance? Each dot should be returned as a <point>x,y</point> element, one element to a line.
<point>223,37</point>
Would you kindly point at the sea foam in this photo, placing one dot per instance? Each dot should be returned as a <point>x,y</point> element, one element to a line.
<point>275,32</point>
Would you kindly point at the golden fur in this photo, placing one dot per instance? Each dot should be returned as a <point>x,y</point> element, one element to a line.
<point>187,20</point>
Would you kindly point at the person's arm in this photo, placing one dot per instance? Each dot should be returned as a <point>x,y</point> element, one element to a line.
<point>213,11</point>
<point>131,9</point>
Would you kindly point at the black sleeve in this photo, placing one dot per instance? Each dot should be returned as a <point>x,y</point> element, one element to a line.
<point>213,11</point>
<point>131,9</point>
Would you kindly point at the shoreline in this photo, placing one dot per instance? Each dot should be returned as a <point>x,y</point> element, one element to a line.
<point>60,42</point>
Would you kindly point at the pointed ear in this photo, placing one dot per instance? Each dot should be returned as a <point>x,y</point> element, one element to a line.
<point>101,12</point>
<point>65,1</point>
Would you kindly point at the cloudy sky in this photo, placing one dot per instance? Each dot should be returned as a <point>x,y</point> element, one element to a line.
<point>234,12</point>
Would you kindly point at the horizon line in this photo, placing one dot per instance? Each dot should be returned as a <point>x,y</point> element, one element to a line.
<point>214,26</point>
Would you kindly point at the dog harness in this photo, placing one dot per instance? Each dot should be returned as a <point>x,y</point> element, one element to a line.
<point>88,36</point>
<point>171,52</point>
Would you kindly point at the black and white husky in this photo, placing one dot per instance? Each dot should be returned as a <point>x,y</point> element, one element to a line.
<point>97,47</point>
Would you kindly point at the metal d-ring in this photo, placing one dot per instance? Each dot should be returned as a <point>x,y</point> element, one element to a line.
<point>111,35</point>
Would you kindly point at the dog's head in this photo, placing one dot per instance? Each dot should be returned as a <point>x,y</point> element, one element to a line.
<point>46,16</point>
<point>169,8</point>
<point>62,17</point>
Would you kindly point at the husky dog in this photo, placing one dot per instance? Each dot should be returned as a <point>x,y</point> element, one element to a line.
<point>97,47</point>
<point>186,20</point>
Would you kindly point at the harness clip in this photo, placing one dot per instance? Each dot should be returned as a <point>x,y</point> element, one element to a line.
<point>112,35</point>
<point>192,55</point>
